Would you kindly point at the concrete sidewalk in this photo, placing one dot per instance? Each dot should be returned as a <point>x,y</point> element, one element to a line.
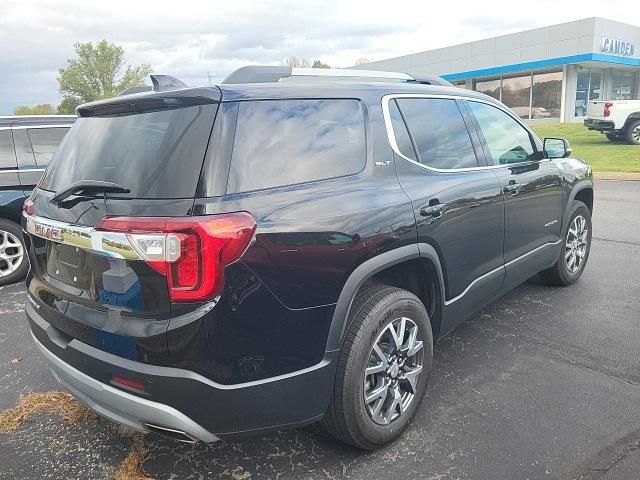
<point>625,176</point>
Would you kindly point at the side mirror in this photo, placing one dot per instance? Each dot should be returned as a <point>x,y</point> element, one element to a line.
<point>556,148</point>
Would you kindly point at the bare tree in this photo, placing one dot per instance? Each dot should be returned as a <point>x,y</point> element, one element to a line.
<point>295,62</point>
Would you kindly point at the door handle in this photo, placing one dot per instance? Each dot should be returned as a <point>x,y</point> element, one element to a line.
<point>512,187</point>
<point>434,209</point>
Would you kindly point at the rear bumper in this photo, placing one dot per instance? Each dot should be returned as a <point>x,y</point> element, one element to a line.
<point>119,406</point>
<point>600,125</point>
<point>181,401</point>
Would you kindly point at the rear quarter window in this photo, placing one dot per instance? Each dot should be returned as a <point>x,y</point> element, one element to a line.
<point>286,142</point>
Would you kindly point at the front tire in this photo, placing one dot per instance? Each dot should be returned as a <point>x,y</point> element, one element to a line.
<point>383,368</point>
<point>633,133</point>
<point>575,248</point>
<point>14,264</point>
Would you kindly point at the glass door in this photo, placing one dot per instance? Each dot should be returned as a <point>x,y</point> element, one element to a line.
<point>589,87</point>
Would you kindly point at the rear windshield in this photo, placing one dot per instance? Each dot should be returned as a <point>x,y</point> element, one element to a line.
<point>155,154</point>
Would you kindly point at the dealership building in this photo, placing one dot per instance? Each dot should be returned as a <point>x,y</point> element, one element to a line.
<point>544,74</point>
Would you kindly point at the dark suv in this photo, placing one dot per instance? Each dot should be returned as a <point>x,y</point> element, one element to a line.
<point>211,262</point>
<point>26,146</point>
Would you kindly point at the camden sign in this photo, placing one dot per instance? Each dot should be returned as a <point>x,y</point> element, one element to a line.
<point>617,47</point>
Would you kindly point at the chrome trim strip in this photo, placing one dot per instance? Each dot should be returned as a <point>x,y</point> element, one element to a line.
<point>19,117</point>
<point>118,405</point>
<point>394,145</point>
<point>110,244</point>
<point>24,170</point>
<point>30,127</point>
<point>496,270</point>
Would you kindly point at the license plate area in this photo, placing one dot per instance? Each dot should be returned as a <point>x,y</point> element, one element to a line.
<point>70,265</point>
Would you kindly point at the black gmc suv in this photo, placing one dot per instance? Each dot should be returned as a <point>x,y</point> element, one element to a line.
<point>210,262</point>
<point>26,146</point>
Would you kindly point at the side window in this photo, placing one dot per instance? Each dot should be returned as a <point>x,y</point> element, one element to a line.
<point>44,142</point>
<point>285,142</point>
<point>439,132</point>
<point>403,141</point>
<point>507,140</point>
<point>7,153</point>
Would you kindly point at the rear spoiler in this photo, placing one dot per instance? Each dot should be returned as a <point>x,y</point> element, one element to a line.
<point>167,92</point>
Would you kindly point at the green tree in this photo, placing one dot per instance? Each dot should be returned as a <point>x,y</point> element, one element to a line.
<point>42,109</point>
<point>320,64</point>
<point>97,71</point>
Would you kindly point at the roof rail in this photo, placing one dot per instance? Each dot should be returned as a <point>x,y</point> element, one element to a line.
<point>266,74</point>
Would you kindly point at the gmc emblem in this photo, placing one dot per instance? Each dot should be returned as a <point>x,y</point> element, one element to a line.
<point>49,233</point>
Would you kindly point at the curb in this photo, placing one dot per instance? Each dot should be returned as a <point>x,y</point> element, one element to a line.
<point>617,176</point>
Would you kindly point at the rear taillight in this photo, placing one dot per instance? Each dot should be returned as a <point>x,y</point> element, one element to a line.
<point>191,252</point>
<point>607,109</point>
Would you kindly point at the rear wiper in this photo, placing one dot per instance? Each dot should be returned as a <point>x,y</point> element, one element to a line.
<point>88,186</point>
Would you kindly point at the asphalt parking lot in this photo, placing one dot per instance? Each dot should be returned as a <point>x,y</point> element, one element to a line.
<point>544,383</point>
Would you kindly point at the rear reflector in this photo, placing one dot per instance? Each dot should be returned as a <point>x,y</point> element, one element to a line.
<point>607,109</point>
<point>191,252</point>
<point>127,382</point>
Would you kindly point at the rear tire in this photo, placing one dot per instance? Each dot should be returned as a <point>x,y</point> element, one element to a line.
<point>14,264</point>
<point>632,133</point>
<point>575,248</point>
<point>371,364</point>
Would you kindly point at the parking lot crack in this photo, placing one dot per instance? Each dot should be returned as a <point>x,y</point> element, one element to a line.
<point>599,464</point>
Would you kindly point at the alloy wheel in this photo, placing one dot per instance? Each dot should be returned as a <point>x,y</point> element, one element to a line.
<point>11,253</point>
<point>636,134</point>
<point>393,371</point>
<point>576,244</point>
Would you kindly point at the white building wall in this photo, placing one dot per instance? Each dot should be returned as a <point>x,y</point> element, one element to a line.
<point>562,40</point>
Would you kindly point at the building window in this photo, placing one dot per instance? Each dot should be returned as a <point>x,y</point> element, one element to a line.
<point>535,95</point>
<point>516,94</point>
<point>546,95</point>
<point>489,87</point>
<point>622,85</point>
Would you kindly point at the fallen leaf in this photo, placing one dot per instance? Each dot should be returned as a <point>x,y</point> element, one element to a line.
<point>15,360</point>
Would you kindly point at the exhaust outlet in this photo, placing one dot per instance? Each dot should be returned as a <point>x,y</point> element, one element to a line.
<point>171,433</point>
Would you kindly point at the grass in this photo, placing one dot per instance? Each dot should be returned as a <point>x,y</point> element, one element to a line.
<point>69,408</point>
<point>56,402</point>
<point>131,467</point>
<point>592,146</point>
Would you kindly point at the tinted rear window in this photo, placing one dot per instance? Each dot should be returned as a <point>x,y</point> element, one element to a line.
<point>285,142</point>
<point>156,154</point>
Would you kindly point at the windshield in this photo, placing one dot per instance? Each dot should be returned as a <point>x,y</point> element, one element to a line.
<point>155,154</point>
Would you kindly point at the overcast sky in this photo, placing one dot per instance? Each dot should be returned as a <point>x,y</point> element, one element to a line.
<point>188,38</point>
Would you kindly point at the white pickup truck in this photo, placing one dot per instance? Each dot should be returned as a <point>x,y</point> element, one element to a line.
<point>619,120</point>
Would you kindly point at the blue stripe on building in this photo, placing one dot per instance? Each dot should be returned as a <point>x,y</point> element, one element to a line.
<point>540,64</point>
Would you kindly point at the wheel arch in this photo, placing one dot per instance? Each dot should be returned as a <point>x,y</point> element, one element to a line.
<point>632,118</point>
<point>582,191</point>
<point>421,255</point>
<point>585,195</point>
